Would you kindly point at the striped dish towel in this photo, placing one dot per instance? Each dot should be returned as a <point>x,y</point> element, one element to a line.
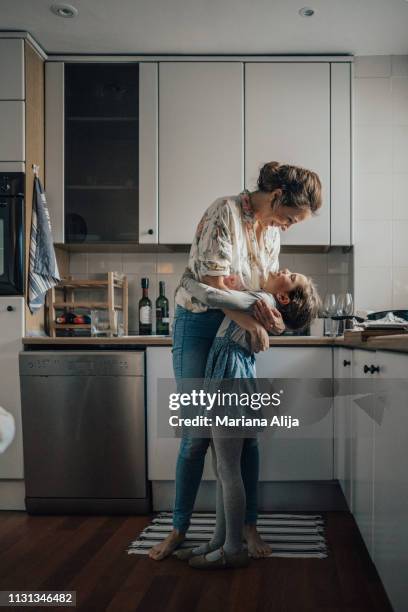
<point>43,273</point>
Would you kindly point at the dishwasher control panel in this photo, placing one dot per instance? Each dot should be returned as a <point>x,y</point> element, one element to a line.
<point>82,363</point>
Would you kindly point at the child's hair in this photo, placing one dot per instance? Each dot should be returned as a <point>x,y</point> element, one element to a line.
<point>303,307</point>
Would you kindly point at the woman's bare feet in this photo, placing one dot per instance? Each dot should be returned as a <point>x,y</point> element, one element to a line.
<point>257,548</point>
<point>164,549</point>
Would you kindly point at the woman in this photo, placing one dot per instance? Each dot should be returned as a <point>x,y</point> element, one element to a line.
<point>237,235</point>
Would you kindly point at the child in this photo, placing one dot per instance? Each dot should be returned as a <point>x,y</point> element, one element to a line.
<point>295,296</point>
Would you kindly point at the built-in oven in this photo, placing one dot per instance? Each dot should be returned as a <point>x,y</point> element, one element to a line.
<point>11,233</point>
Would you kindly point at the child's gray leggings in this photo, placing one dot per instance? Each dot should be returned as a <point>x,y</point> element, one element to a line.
<point>230,499</point>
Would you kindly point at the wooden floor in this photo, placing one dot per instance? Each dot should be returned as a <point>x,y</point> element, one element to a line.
<point>87,555</point>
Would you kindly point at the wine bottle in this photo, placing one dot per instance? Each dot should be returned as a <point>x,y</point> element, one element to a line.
<point>145,310</point>
<point>162,312</point>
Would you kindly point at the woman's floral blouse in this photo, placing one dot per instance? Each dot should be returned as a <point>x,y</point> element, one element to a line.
<point>225,243</point>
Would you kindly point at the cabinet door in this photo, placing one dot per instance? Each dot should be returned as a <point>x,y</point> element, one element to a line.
<point>54,146</point>
<point>342,389</point>
<point>148,149</point>
<point>101,152</point>
<point>200,142</point>
<point>162,452</point>
<point>12,326</point>
<point>11,69</point>
<point>306,452</point>
<point>340,159</point>
<point>363,410</point>
<point>390,543</point>
<point>12,122</point>
<point>287,119</point>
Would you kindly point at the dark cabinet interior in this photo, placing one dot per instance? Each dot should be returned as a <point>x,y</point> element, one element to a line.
<point>101,152</point>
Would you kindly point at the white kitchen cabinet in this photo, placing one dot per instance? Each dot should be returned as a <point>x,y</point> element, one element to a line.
<point>11,332</point>
<point>82,191</point>
<point>304,453</point>
<point>340,159</point>
<point>363,412</point>
<point>148,151</point>
<point>200,142</point>
<point>342,389</point>
<point>162,452</point>
<point>11,69</point>
<point>287,119</point>
<point>390,536</point>
<point>12,128</point>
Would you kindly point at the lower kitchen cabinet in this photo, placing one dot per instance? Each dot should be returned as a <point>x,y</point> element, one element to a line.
<point>363,411</point>
<point>390,511</point>
<point>342,407</point>
<point>306,452</point>
<point>162,452</point>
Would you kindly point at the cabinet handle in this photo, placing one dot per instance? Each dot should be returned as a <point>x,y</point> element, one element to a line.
<point>346,362</point>
<point>150,232</point>
<point>10,309</point>
<point>371,369</point>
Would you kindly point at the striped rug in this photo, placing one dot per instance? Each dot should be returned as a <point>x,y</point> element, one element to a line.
<point>290,535</point>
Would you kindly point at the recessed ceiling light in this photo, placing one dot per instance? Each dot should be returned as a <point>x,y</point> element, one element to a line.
<point>306,12</point>
<point>64,10</point>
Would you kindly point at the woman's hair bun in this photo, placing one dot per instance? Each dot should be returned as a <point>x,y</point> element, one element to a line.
<point>268,176</point>
<point>301,188</point>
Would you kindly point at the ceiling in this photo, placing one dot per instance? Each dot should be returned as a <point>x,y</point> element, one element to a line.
<point>360,27</point>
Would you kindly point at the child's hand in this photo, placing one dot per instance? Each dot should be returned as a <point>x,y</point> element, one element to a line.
<point>233,281</point>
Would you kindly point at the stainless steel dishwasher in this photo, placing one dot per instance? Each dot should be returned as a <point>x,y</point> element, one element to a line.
<point>84,431</point>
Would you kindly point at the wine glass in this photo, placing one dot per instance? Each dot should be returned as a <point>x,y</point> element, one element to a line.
<point>344,304</point>
<point>329,305</point>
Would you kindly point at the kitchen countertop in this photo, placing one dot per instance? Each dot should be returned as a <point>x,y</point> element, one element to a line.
<point>393,343</point>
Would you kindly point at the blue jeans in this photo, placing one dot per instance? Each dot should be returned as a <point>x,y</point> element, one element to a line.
<point>193,334</point>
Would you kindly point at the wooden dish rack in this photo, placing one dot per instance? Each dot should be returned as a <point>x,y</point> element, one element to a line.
<point>67,302</point>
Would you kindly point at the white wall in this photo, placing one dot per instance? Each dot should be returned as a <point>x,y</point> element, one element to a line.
<point>381,182</point>
<point>331,271</point>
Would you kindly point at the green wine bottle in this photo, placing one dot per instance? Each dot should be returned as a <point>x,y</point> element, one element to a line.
<point>162,312</point>
<point>145,310</point>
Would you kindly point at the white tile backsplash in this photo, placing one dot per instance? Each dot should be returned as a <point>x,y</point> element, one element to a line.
<point>400,288</point>
<point>104,262</point>
<point>400,148</point>
<point>373,148</point>
<point>144,264</point>
<point>373,243</point>
<point>372,101</point>
<point>400,196</point>
<point>373,194</point>
<point>332,268</point>
<point>372,66</point>
<point>381,188</point>
<point>399,65</point>
<point>399,100</point>
<point>373,287</point>
<point>400,241</point>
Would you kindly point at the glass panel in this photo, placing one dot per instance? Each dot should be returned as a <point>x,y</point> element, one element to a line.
<point>101,152</point>
<point>1,247</point>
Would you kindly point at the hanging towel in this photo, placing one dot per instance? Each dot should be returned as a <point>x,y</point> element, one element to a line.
<point>43,273</point>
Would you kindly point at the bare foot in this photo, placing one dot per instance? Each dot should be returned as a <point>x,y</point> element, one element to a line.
<point>165,548</point>
<point>257,548</point>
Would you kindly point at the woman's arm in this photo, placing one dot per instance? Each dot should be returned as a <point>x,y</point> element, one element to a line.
<point>258,334</point>
<point>215,293</point>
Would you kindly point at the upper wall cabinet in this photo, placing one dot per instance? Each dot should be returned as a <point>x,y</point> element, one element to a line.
<point>12,106</point>
<point>287,119</point>
<point>136,152</point>
<point>93,181</point>
<point>200,142</point>
<point>11,69</point>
